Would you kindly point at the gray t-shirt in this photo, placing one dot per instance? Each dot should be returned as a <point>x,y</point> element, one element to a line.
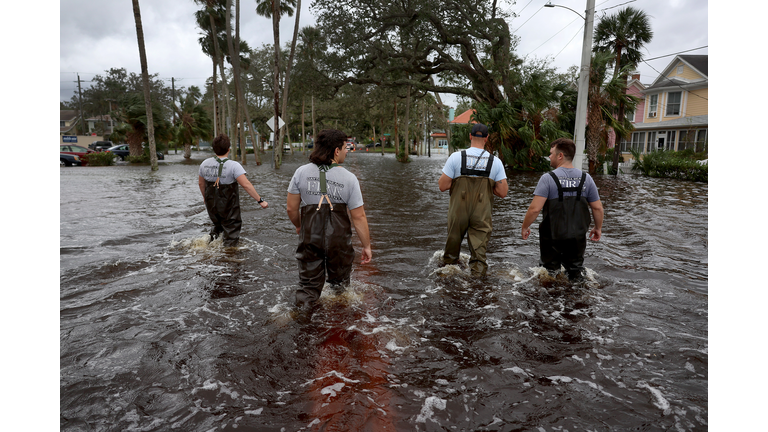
<point>569,177</point>
<point>209,170</point>
<point>342,186</point>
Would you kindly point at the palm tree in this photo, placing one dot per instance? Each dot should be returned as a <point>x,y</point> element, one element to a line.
<point>145,80</point>
<point>274,9</point>
<point>624,34</point>
<point>193,121</point>
<point>133,122</point>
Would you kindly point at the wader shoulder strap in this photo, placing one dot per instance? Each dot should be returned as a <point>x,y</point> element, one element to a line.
<point>221,166</point>
<point>324,184</point>
<point>561,189</point>
<point>472,171</point>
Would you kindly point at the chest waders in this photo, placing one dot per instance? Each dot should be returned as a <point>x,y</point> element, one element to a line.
<point>223,204</point>
<point>469,213</point>
<point>325,248</point>
<point>563,230</point>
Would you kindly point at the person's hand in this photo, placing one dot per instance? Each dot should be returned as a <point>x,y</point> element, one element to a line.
<point>264,204</point>
<point>367,255</point>
<point>298,230</point>
<point>526,232</point>
<point>595,234</point>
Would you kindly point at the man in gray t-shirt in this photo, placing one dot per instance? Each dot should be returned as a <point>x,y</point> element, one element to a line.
<point>566,195</point>
<point>218,179</point>
<point>322,196</point>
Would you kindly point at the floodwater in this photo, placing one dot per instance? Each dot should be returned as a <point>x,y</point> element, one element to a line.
<point>161,331</point>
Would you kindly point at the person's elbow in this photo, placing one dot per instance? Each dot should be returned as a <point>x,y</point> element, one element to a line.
<point>501,189</point>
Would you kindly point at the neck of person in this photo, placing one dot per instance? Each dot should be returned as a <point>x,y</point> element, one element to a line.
<point>225,155</point>
<point>477,143</point>
<point>565,164</point>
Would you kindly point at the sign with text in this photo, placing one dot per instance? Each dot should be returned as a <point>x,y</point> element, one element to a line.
<point>271,123</point>
<point>69,139</point>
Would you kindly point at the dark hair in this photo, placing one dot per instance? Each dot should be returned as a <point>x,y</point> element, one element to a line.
<point>566,146</point>
<point>220,145</point>
<point>328,140</point>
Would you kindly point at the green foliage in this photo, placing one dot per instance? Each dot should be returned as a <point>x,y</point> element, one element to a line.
<point>670,164</point>
<point>99,159</point>
<point>460,136</point>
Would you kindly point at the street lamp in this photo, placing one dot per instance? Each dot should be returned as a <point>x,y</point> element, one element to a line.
<point>581,101</point>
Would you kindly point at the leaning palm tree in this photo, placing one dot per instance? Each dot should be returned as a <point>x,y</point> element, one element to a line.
<point>133,123</point>
<point>624,34</point>
<point>145,81</point>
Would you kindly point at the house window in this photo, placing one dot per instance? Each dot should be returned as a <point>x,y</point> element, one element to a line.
<point>62,123</point>
<point>680,69</point>
<point>630,115</point>
<point>671,141</point>
<point>673,103</point>
<point>651,142</point>
<point>638,139</point>
<point>701,140</point>
<point>653,103</point>
<point>686,140</point>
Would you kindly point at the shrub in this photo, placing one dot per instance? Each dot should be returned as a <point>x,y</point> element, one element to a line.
<point>99,159</point>
<point>670,164</point>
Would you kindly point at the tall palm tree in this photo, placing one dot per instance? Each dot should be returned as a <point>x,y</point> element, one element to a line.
<point>274,9</point>
<point>133,122</point>
<point>145,80</point>
<point>624,34</point>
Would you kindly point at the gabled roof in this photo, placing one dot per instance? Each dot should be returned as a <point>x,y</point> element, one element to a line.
<point>67,115</point>
<point>464,117</point>
<point>699,63</point>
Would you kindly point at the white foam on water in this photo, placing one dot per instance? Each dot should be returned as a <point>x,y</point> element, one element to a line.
<point>332,390</point>
<point>427,411</point>
<point>518,370</point>
<point>658,398</point>
<point>254,412</point>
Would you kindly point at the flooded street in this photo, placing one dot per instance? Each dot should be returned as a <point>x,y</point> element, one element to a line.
<point>161,331</point>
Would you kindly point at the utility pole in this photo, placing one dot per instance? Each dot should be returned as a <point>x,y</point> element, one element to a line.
<point>581,102</point>
<point>80,102</point>
<point>173,98</point>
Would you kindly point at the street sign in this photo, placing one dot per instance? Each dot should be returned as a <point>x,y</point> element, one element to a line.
<point>271,123</point>
<point>69,139</point>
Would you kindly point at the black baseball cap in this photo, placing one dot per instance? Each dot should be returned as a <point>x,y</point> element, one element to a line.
<point>479,130</point>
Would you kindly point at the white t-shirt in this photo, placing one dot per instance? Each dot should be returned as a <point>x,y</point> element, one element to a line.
<point>453,165</point>
<point>342,186</point>
<point>209,170</point>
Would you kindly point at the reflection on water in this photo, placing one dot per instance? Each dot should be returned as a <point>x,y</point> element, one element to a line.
<point>160,330</point>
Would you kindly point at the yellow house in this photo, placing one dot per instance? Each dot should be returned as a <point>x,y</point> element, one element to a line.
<point>675,108</point>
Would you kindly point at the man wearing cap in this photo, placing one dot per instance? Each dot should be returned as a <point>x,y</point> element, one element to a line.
<point>472,176</point>
<point>566,194</point>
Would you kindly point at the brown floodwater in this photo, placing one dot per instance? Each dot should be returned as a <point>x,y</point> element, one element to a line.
<point>161,331</point>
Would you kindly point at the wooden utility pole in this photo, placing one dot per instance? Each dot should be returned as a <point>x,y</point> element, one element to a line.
<point>80,103</point>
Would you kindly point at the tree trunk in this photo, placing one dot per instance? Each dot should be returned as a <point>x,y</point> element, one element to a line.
<point>303,132</point>
<point>276,81</point>
<point>236,77</point>
<point>619,116</point>
<point>187,150</point>
<point>145,82</point>
<point>382,131</point>
<point>314,126</point>
<point>216,103</point>
<point>288,73</point>
<point>407,125</point>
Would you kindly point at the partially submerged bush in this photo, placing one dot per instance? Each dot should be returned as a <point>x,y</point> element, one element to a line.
<point>99,159</point>
<point>672,164</point>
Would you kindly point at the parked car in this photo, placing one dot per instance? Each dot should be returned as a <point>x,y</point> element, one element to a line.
<point>372,145</point>
<point>77,151</point>
<point>67,159</point>
<point>122,151</point>
<point>100,145</point>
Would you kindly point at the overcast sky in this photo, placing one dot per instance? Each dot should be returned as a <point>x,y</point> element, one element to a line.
<point>107,37</point>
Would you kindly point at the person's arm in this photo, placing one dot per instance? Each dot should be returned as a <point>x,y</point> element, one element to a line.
<point>444,183</point>
<point>246,184</point>
<point>533,212</point>
<point>501,188</point>
<point>361,227</point>
<point>597,214</point>
<point>201,183</point>
<point>292,207</point>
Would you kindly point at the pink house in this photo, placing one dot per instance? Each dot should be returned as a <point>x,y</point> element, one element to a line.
<point>634,88</point>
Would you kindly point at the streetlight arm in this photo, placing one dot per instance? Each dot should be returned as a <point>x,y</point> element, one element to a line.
<point>564,7</point>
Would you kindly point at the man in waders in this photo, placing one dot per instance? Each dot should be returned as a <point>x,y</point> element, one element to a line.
<point>319,196</point>
<point>472,176</point>
<point>565,194</point>
<point>218,180</point>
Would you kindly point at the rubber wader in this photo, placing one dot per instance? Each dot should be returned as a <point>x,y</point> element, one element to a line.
<point>469,213</point>
<point>223,204</point>
<point>563,230</point>
<point>325,247</point>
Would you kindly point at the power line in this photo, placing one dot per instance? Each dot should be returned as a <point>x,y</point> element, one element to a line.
<point>669,55</point>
